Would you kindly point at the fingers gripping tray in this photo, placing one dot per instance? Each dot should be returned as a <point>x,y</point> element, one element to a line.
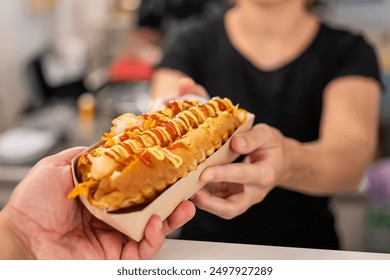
<point>132,221</point>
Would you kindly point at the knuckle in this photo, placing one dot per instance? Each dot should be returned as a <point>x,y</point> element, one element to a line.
<point>217,174</point>
<point>228,215</point>
<point>276,135</point>
<point>267,178</point>
<point>200,204</point>
<point>45,161</point>
<point>273,133</point>
<point>262,127</point>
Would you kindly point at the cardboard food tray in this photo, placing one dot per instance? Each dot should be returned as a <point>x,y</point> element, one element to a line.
<point>133,223</point>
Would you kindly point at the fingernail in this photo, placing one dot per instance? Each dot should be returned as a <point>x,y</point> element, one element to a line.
<point>241,142</point>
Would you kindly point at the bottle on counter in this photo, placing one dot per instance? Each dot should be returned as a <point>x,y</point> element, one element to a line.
<point>86,118</point>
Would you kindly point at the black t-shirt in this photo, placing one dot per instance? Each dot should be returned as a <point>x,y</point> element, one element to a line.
<point>288,98</point>
<point>165,15</point>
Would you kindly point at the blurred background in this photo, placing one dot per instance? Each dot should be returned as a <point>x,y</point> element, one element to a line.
<point>68,67</point>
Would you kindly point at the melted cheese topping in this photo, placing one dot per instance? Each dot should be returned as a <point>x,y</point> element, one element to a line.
<point>163,153</point>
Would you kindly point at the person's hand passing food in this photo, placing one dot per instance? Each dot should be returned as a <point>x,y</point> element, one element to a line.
<point>40,222</point>
<point>233,188</point>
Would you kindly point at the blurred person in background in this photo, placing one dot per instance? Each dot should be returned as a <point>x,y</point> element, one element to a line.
<point>40,222</point>
<point>155,19</point>
<point>315,91</point>
<point>165,15</point>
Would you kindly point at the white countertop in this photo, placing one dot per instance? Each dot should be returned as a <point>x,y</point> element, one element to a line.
<point>197,250</point>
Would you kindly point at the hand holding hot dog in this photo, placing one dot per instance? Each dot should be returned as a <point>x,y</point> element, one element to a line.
<point>40,222</point>
<point>233,188</point>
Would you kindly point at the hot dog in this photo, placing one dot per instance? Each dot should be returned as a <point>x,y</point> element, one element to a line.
<point>143,155</point>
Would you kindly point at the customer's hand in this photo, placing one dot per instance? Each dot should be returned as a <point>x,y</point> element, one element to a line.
<point>187,86</point>
<point>233,188</point>
<point>40,222</point>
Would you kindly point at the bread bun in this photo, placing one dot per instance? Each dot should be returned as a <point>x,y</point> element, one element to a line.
<point>143,155</point>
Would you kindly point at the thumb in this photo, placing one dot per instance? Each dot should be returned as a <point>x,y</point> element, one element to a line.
<point>187,85</point>
<point>68,154</point>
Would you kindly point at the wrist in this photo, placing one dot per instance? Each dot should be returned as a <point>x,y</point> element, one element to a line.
<point>11,244</point>
<point>290,147</point>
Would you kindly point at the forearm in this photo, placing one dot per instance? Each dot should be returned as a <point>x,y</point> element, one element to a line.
<point>347,141</point>
<point>319,169</point>
<point>12,247</point>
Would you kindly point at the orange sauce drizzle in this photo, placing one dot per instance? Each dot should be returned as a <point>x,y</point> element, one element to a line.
<point>171,129</point>
<point>221,105</point>
<point>145,158</point>
<point>175,145</point>
<point>168,131</point>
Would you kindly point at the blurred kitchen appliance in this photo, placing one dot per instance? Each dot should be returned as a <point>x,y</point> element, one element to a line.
<point>48,81</point>
<point>119,98</point>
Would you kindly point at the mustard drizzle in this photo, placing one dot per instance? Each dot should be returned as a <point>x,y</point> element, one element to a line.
<point>122,151</point>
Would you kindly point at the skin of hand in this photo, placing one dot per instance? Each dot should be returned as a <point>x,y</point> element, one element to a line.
<point>187,85</point>
<point>174,84</point>
<point>40,222</point>
<point>327,166</point>
<point>235,187</point>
